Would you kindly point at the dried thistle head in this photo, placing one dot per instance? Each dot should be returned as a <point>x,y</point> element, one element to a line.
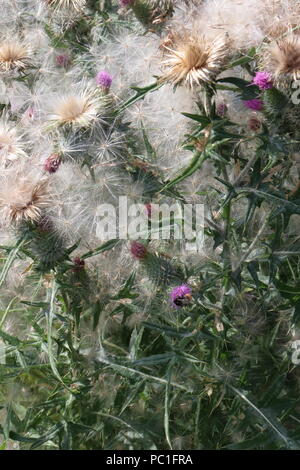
<point>13,56</point>
<point>10,143</point>
<point>282,59</point>
<point>192,59</point>
<point>78,109</point>
<point>23,198</point>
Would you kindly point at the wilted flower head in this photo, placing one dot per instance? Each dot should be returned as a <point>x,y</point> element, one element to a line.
<point>180,295</point>
<point>23,198</point>
<point>255,104</point>
<point>283,58</point>
<point>263,80</point>
<point>13,56</point>
<point>104,79</point>
<point>192,59</point>
<point>138,250</point>
<point>254,124</point>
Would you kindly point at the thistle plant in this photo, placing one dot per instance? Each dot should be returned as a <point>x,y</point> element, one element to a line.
<point>114,341</point>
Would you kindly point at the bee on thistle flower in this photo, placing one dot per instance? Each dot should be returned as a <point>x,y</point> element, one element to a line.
<point>181,295</point>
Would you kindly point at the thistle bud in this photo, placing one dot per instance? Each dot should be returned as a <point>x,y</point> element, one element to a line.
<point>52,163</point>
<point>138,250</point>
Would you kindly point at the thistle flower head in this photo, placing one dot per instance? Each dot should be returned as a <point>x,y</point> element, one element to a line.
<point>283,57</point>
<point>52,163</point>
<point>255,104</point>
<point>193,60</point>
<point>10,143</point>
<point>104,79</point>
<point>138,250</point>
<point>78,264</point>
<point>77,109</point>
<point>180,295</point>
<point>13,56</point>
<point>254,124</point>
<point>62,60</point>
<point>263,80</point>
<point>23,198</point>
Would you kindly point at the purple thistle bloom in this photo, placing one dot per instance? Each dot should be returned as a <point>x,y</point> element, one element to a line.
<point>180,294</point>
<point>138,250</point>
<point>255,104</point>
<point>263,80</point>
<point>104,79</point>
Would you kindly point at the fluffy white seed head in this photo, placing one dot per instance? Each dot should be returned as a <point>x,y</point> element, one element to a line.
<point>192,59</point>
<point>80,108</point>
<point>23,197</point>
<point>14,55</point>
<point>11,145</point>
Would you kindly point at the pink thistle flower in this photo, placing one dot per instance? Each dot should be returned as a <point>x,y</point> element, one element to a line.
<point>263,80</point>
<point>180,295</point>
<point>104,79</point>
<point>255,104</point>
<point>52,163</point>
<point>138,250</point>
